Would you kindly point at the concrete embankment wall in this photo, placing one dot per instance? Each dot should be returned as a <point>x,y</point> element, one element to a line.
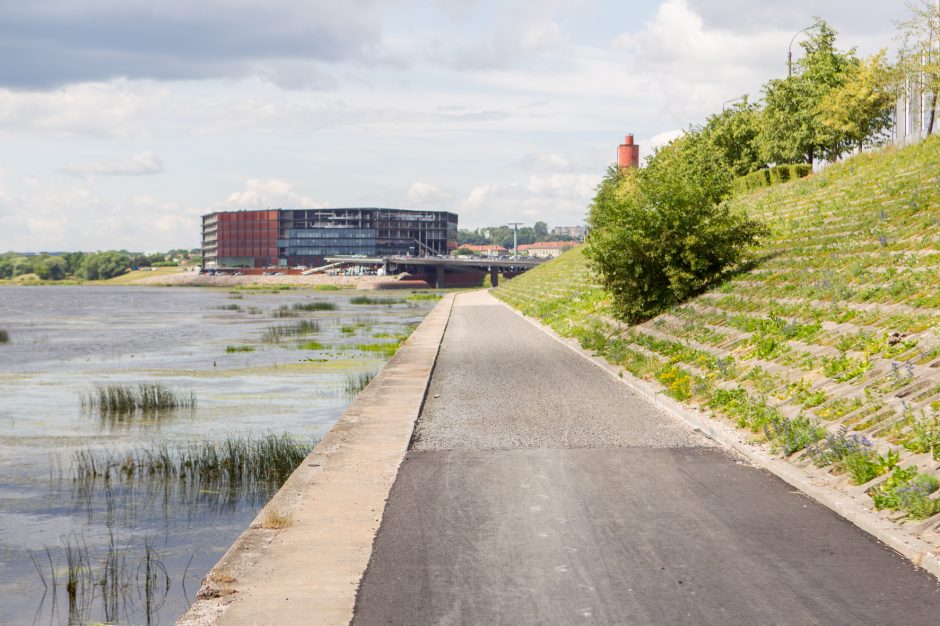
<point>309,572</point>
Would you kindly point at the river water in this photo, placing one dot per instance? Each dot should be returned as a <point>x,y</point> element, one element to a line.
<point>143,547</point>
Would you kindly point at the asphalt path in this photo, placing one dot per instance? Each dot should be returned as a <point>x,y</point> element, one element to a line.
<point>541,491</point>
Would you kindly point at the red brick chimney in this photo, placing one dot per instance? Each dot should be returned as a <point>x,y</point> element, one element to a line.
<point>628,153</point>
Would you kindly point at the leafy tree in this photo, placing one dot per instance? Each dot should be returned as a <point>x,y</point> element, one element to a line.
<point>920,56</point>
<point>733,134</point>
<point>104,265</point>
<point>50,268</point>
<point>859,110</point>
<point>73,261</point>
<point>791,130</point>
<point>662,234</point>
<point>541,230</point>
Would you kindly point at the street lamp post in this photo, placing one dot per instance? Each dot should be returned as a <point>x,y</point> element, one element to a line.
<point>515,238</point>
<point>790,49</point>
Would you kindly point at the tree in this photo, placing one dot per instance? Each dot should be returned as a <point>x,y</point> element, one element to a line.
<point>50,268</point>
<point>920,52</point>
<point>104,265</point>
<point>791,130</point>
<point>733,134</point>
<point>663,233</point>
<point>859,110</point>
<point>541,230</point>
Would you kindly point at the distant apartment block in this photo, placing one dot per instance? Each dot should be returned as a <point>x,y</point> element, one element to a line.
<point>545,249</point>
<point>294,237</point>
<point>575,232</point>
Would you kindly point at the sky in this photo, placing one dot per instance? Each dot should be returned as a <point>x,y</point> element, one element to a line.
<point>123,121</point>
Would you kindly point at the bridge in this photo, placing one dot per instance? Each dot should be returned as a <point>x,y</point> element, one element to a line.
<point>441,264</point>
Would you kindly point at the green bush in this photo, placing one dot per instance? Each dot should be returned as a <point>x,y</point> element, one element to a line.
<point>663,234</point>
<point>771,176</point>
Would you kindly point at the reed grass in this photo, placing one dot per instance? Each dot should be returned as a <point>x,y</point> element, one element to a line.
<point>229,307</point>
<point>239,349</point>
<point>275,334</point>
<point>357,382</point>
<point>312,345</point>
<point>231,462</point>
<point>284,312</point>
<point>374,301</point>
<point>316,305</point>
<point>4,336</point>
<point>425,296</point>
<point>124,399</point>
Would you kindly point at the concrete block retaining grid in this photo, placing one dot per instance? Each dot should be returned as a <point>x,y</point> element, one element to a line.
<point>851,506</point>
<point>309,572</point>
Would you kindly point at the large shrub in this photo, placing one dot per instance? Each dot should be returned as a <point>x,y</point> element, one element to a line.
<point>662,234</point>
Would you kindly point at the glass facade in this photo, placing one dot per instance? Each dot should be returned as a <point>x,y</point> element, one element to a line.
<point>292,237</point>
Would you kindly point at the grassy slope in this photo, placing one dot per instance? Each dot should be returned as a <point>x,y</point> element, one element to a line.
<point>854,258</point>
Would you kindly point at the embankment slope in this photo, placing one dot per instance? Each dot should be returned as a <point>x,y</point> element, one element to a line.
<point>840,323</point>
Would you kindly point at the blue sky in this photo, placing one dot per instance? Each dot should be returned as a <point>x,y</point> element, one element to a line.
<point>122,121</point>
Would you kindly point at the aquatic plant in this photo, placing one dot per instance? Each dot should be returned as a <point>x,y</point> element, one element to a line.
<point>375,301</point>
<point>4,336</point>
<point>239,349</point>
<point>123,399</point>
<point>312,345</point>
<point>229,307</point>
<point>357,382</point>
<point>385,349</point>
<point>275,334</point>
<point>231,462</point>
<point>316,305</point>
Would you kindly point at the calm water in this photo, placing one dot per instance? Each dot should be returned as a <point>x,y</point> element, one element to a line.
<point>64,341</point>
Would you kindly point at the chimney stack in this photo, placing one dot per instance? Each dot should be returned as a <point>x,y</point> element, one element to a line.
<point>628,153</point>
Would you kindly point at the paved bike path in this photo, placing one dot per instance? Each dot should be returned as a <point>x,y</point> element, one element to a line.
<point>539,490</point>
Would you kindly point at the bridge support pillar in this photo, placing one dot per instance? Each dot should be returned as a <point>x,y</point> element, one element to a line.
<point>439,277</point>
<point>494,276</point>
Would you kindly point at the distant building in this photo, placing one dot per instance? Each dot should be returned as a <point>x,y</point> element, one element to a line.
<point>575,232</point>
<point>545,249</point>
<point>485,250</point>
<point>292,237</point>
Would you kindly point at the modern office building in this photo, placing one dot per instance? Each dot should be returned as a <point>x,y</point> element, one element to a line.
<point>293,237</point>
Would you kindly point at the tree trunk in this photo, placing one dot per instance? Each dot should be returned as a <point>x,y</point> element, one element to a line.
<point>933,114</point>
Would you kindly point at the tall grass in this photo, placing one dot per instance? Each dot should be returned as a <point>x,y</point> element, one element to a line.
<point>123,399</point>
<point>231,349</point>
<point>357,382</point>
<point>231,462</point>
<point>316,305</point>
<point>275,334</point>
<point>4,336</point>
<point>375,301</point>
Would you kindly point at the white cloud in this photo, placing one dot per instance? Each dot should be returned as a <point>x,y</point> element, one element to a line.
<point>422,195</point>
<point>273,193</point>
<point>659,140</point>
<point>143,164</point>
